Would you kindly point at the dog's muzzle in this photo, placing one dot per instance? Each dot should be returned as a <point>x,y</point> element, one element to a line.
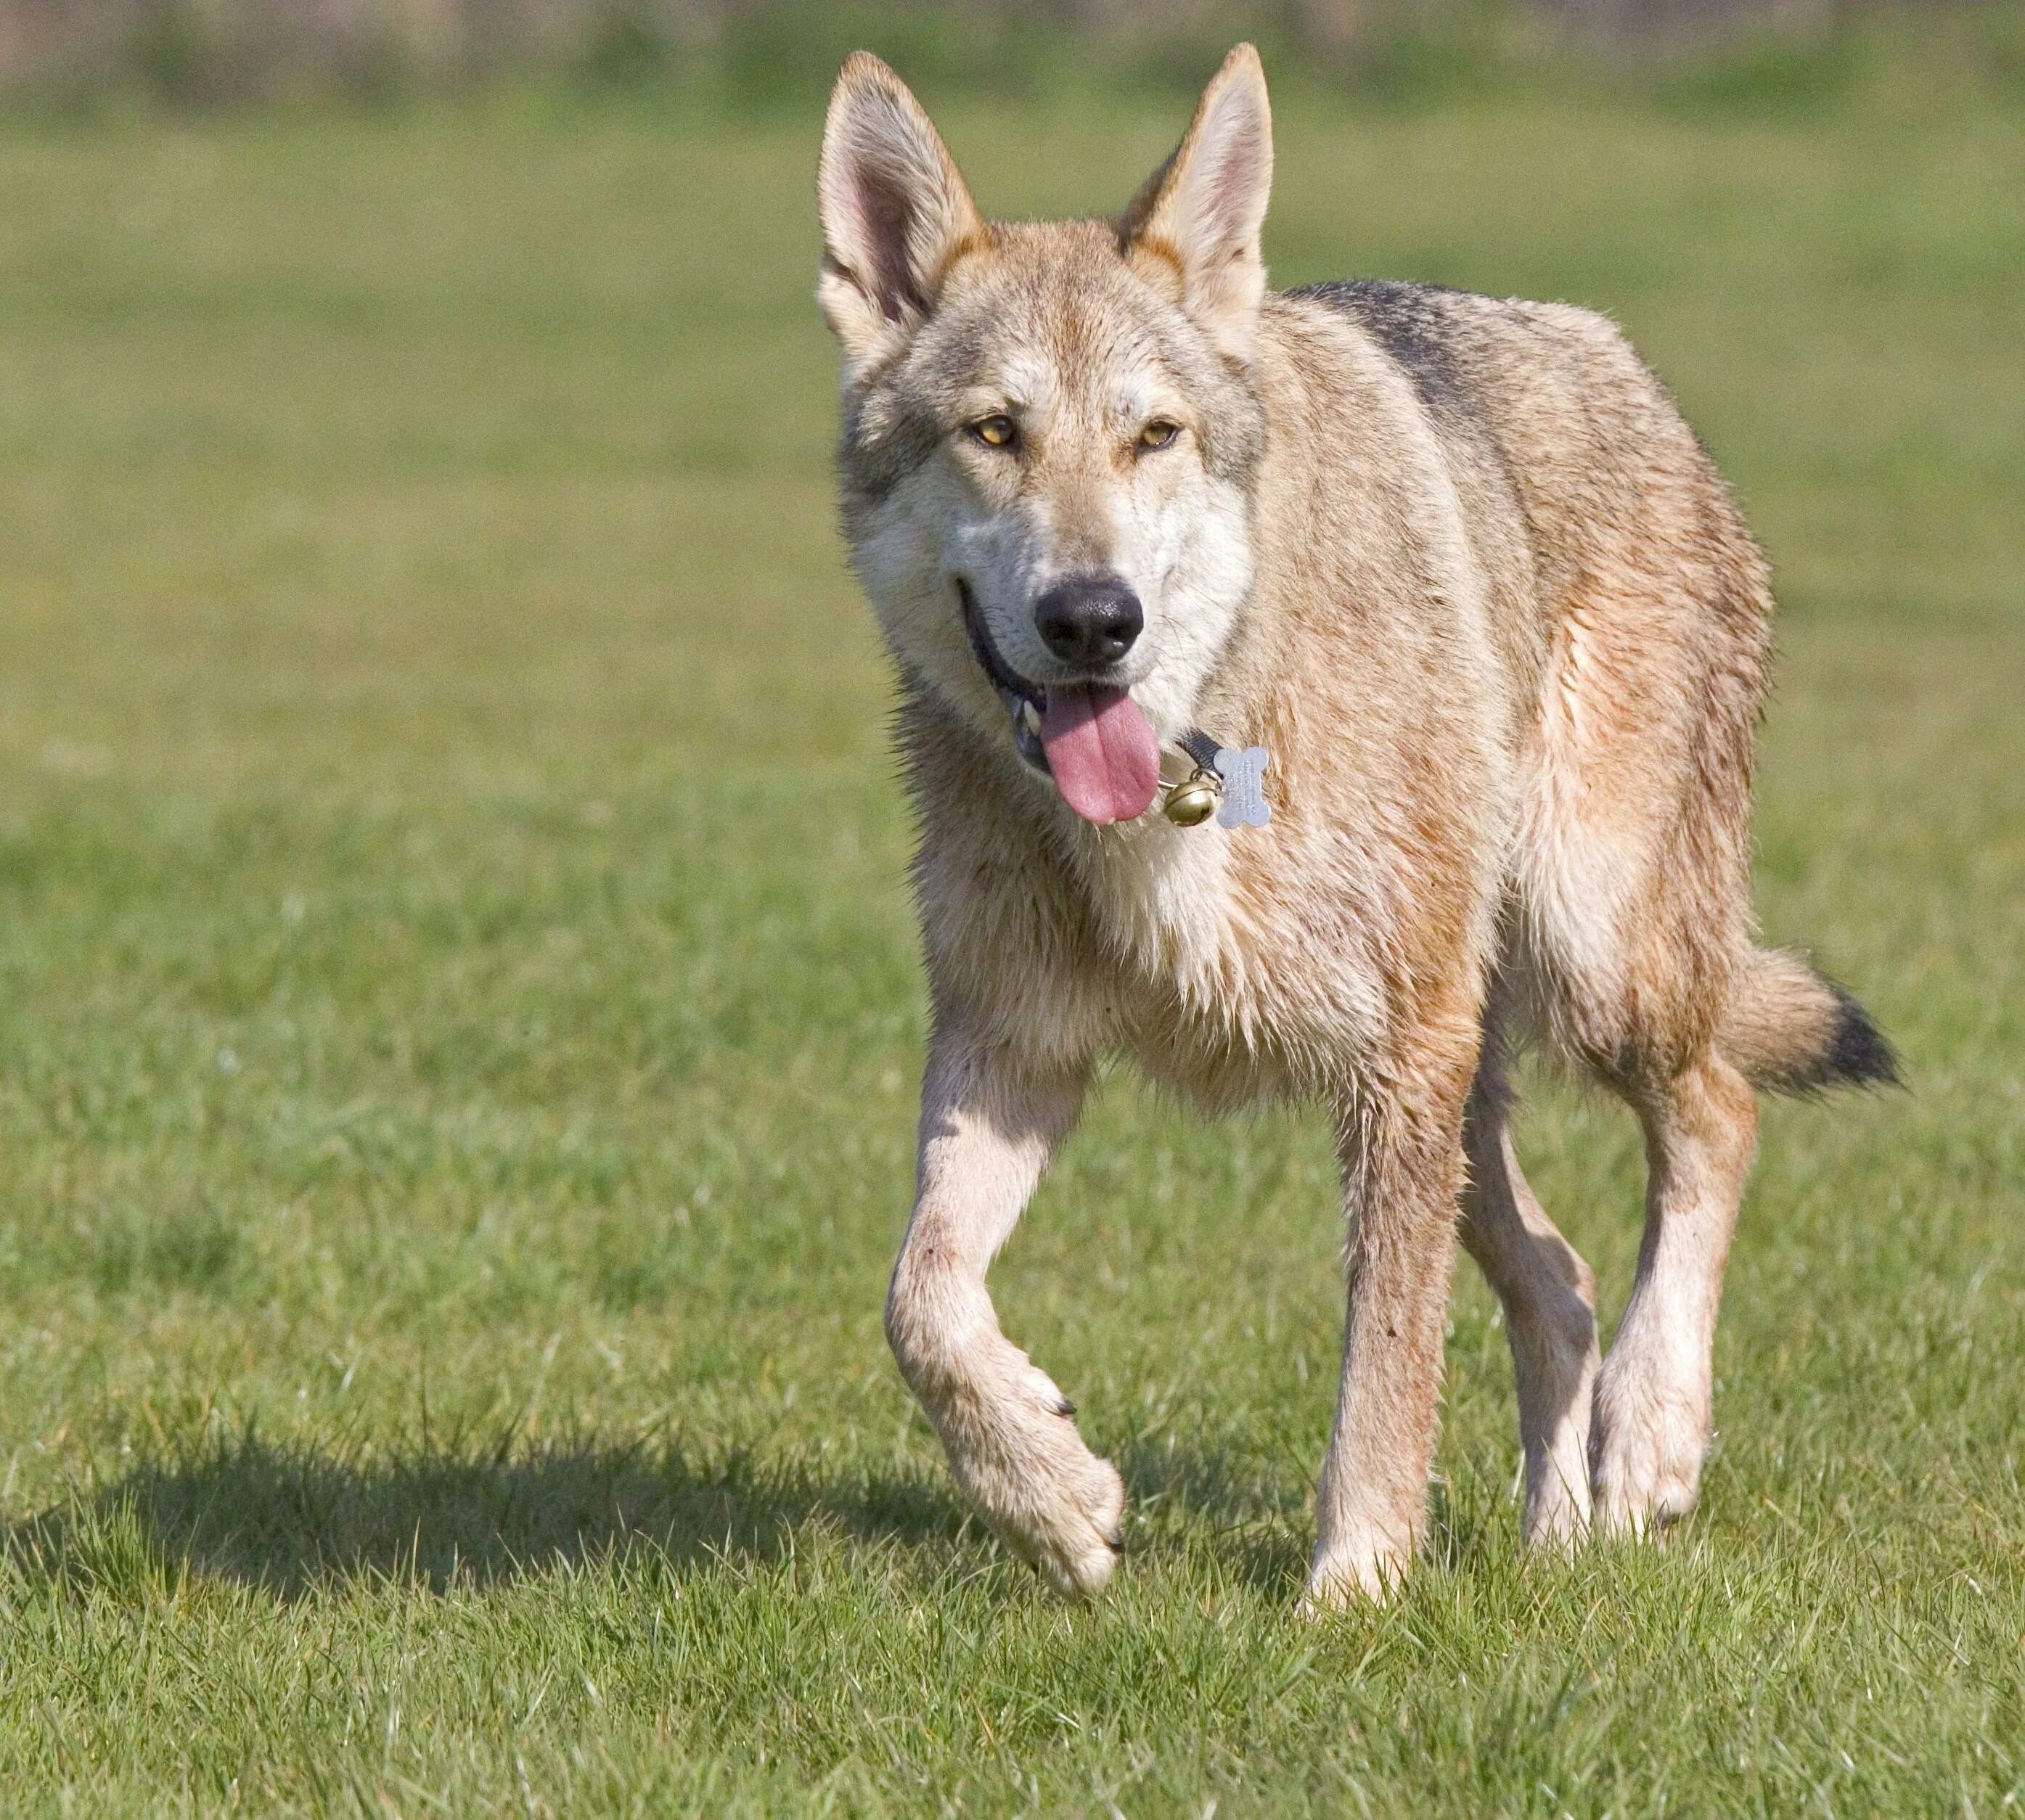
<point>1186,804</point>
<point>1023,700</point>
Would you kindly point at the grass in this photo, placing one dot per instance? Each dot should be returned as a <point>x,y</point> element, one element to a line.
<point>459,1023</point>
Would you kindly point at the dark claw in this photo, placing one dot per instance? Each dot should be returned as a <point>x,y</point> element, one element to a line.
<point>1114,1543</point>
<point>1065,1407</point>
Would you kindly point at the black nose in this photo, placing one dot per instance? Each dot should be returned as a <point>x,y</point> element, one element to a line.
<point>1088,622</point>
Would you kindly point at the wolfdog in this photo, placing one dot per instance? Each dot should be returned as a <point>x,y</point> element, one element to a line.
<point>1451,574</point>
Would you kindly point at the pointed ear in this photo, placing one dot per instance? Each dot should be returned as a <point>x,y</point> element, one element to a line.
<point>1201,211</point>
<point>894,212</point>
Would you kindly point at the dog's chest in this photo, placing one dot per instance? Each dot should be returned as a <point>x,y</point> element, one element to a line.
<point>1162,898</point>
<point>1196,974</point>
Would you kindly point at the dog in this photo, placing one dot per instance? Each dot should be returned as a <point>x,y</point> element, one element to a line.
<point>1457,575</point>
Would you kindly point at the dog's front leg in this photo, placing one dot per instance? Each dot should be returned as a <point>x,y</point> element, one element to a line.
<point>989,1124</point>
<point>1402,1175</point>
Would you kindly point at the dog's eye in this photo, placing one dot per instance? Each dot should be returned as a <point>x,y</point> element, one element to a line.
<point>1158,434</point>
<point>996,432</point>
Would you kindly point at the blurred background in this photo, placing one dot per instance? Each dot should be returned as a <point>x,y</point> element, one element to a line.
<point>459,1017</point>
<point>198,51</point>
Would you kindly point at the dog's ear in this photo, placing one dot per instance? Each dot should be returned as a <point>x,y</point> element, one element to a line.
<point>894,211</point>
<point>1200,213</point>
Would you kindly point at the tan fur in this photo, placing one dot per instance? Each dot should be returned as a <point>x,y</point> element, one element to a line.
<point>1459,565</point>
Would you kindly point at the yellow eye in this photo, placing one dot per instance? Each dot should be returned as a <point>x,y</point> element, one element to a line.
<point>996,432</point>
<point>1158,434</point>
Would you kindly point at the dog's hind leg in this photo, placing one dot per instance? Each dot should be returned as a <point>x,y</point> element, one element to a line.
<point>1550,1298</point>
<point>989,1126</point>
<point>1653,1397</point>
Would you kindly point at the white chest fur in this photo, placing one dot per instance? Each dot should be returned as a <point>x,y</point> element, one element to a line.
<point>1219,994</point>
<point>1163,898</point>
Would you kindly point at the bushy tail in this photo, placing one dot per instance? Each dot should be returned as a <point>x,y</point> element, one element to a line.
<point>1793,1031</point>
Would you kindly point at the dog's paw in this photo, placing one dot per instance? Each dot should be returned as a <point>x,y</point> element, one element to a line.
<point>1557,1372</point>
<point>1075,1536</point>
<point>1021,1462</point>
<point>1558,1490</point>
<point>1557,1500</point>
<point>1645,1459</point>
<point>1056,1505</point>
<point>1348,1577</point>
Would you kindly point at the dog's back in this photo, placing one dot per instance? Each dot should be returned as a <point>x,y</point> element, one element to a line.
<point>1631,610</point>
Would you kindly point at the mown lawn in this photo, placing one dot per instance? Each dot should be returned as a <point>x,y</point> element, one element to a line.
<point>459,1026</point>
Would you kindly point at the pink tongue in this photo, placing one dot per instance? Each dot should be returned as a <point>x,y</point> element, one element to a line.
<point>1106,762</point>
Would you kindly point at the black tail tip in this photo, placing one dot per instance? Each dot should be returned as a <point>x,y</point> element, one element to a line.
<point>1859,1054</point>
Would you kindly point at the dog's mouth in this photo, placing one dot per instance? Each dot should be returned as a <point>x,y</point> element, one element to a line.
<point>1092,738</point>
<point>1023,699</point>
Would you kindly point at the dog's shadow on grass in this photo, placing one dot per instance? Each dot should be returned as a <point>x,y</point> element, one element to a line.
<point>289,1520</point>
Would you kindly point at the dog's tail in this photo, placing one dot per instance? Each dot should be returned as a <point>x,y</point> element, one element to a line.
<point>1793,1030</point>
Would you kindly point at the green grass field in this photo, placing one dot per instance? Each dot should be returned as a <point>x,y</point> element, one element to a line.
<point>459,1024</point>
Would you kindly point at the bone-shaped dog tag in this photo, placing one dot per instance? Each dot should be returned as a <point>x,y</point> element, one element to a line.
<point>1244,804</point>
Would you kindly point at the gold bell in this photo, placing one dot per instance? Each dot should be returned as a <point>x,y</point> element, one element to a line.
<point>1192,803</point>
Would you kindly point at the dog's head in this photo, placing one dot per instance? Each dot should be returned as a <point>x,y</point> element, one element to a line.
<point>1049,429</point>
